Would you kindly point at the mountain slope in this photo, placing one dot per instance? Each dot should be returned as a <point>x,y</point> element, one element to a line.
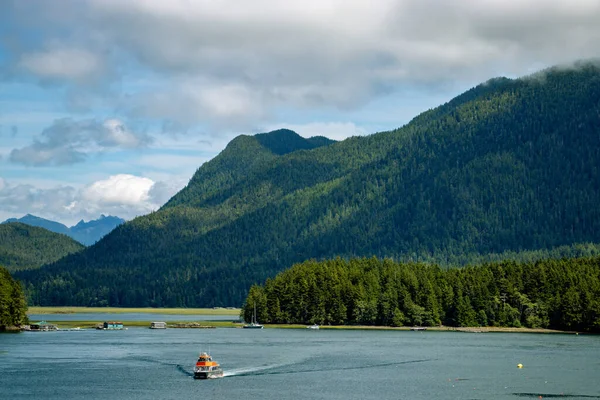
<point>86,233</point>
<point>27,247</point>
<point>509,165</point>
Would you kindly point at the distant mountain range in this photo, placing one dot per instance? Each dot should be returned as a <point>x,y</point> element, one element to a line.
<point>511,165</point>
<point>28,247</point>
<point>86,233</point>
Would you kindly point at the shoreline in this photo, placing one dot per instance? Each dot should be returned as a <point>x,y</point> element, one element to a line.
<point>486,329</point>
<point>236,325</point>
<point>236,312</point>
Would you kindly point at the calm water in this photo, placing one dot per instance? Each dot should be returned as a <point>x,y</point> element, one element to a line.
<point>275,364</point>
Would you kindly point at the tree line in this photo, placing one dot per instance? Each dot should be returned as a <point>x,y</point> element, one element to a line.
<point>13,307</point>
<point>558,294</point>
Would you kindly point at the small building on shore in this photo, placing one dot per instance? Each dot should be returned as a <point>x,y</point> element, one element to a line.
<point>111,325</point>
<point>42,326</point>
<point>158,325</point>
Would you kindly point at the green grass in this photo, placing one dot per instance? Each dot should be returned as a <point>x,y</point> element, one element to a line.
<point>137,324</point>
<point>117,310</point>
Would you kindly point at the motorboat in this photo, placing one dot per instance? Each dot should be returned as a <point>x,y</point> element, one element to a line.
<point>207,368</point>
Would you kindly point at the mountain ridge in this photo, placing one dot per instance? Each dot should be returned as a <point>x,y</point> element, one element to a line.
<point>507,166</point>
<point>86,233</point>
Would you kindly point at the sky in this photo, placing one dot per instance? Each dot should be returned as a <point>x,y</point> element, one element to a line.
<point>110,106</point>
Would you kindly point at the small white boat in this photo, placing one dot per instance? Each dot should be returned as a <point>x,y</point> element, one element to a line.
<point>254,324</point>
<point>313,326</point>
<point>418,328</point>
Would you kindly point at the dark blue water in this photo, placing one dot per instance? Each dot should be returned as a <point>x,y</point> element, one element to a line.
<point>100,317</point>
<point>274,364</point>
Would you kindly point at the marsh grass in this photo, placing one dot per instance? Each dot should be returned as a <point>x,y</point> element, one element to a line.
<point>137,324</point>
<point>118,310</point>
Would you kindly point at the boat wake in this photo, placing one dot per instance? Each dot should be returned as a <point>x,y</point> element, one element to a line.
<point>251,370</point>
<point>184,371</point>
<point>555,395</point>
<point>266,370</point>
<point>279,369</point>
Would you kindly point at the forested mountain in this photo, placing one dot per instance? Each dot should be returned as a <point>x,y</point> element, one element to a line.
<point>559,294</point>
<point>86,233</point>
<point>508,166</point>
<point>13,308</point>
<point>26,247</point>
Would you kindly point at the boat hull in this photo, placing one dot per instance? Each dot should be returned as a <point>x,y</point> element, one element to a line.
<point>208,374</point>
<point>253,327</point>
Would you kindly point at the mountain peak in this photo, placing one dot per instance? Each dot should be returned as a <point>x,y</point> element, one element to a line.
<point>285,141</point>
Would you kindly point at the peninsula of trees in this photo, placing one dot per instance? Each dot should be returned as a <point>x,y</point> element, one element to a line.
<point>559,294</point>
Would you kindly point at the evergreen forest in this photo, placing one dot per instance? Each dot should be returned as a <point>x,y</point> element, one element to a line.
<point>556,293</point>
<point>13,307</point>
<point>28,247</point>
<point>510,167</point>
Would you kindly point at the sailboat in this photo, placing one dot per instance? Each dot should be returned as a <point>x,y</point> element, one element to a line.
<point>254,324</point>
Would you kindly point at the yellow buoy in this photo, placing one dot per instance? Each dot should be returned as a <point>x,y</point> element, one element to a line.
<point>519,365</point>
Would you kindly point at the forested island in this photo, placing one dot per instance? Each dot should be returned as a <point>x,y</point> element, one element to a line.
<point>13,307</point>
<point>558,294</point>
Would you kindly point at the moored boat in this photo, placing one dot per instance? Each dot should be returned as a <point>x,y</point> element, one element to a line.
<point>313,326</point>
<point>254,324</point>
<point>158,325</point>
<point>418,328</point>
<point>206,368</point>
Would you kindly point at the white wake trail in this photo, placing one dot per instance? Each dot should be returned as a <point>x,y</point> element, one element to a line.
<point>249,370</point>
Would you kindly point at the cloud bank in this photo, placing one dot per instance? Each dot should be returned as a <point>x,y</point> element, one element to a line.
<point>126,196</point>
<point>208,69</point>
<point>68,141</point>
<point>235,63</point>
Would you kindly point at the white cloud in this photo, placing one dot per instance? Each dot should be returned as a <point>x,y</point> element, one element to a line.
<point>120,189</point>
<point>18,200</point>
<point>233,64</point>
<point>190,101</point>
<point>68,141</point>
<point>115,134</point>
<point>63,64</point>
<point>123,195</point>
<point>162,191</point>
